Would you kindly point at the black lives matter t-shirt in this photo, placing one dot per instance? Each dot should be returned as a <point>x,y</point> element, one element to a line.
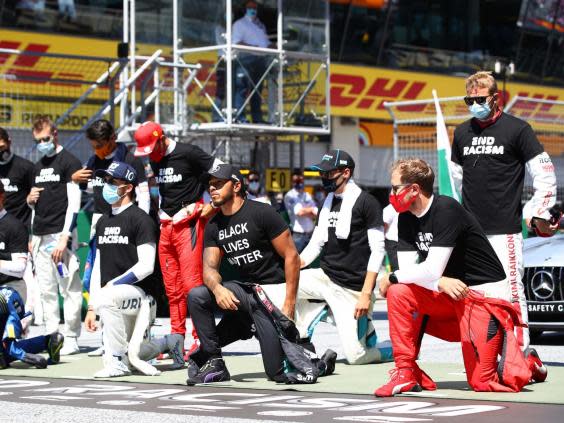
<point>101,205</point>
<point>52,174</point>
<point>448,224</point>
<point>117,239</point>
<point>345,260</point>
<point>493,161</point>
<point>245,241</point>
<point>17,178</point>
<point>13,239</point>
<point>178,175</point>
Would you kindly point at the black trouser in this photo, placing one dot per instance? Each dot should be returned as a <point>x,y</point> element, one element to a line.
<point>392,251</point>
<point>236,325</point>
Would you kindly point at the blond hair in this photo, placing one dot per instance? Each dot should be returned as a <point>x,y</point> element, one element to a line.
<point>415,171</point>
<point>482,79</point>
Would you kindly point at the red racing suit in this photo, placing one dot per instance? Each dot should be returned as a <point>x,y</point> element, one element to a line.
<point>484,326</point>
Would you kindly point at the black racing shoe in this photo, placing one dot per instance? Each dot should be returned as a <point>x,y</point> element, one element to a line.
<point>3,362</point>
<point>54,344</point>
<point>329,358</point>
<point>193,370</point>
<point>213,370</point>
<point>35,360</point>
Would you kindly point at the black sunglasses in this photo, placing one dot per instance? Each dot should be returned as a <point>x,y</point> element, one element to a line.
<point>396,188</point>
<point>479,99</point>
<point>44,139</point>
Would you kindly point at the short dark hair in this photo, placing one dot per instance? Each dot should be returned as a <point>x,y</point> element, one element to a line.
<point>4,135</point>
<point>41,122</point>
<point>100,130</point>
<point>415,171</point>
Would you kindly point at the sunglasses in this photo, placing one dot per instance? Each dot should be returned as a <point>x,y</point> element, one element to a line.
<point>396,188</point>
<point>44,139</point>
<point>479,99</point>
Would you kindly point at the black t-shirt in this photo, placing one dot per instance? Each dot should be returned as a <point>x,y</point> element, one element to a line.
<point>178,175</point>
<point>345,260</point>
<point>117,239</point>
<point>17,177</point>
<point>493,161</point>
<point>53,173</point>
<point>100,205</point>
<point>245,241</point>
<point>448,224</point>
<point>13,239</point>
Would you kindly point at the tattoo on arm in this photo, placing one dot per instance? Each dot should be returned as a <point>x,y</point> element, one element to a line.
<point>212,260</point>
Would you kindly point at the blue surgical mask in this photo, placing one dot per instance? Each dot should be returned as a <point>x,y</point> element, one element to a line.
<point>46,148</point>
<point>254,187</point>
<point>480,111</point>
<point>251,13</point>
<point>110,193</point>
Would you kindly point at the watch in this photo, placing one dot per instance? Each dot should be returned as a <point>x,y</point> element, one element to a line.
<point>393,278</point>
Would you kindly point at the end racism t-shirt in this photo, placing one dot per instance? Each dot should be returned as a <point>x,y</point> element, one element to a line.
<point>101,205</point>
<point>493,161</point>
<point>13,239</point>
<point>448,224</point>
<point>345,260</point>
<point>52,174</point>
<point>178,175</point>
<point>117,239</point>
<point>245,238</point>
<point>17,178</point>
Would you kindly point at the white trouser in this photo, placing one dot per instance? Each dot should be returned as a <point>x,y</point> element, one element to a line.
<point>19,286</point>
<point>50,283</point>
<point>358,337</point>
<point>33,302</point>
<point>509,249</point>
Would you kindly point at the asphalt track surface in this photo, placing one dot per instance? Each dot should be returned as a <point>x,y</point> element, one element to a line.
<point>29,400</point>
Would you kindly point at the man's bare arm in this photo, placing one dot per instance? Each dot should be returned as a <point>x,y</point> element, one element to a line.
<point>284,246</point>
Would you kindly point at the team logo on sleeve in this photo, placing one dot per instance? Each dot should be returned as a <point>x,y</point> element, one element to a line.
<point>483,145</point>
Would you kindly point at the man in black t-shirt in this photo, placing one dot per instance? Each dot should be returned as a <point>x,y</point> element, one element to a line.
<point>491,152</point>
<point>17,177</point>
<point>450,284</point>
<point>255,240</point>
<point>349,238</point>
<point>183,215</point>
<point>125,257</point>
<point>55,201</point>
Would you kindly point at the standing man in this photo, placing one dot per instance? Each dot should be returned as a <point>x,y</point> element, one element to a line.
<point>255,190</point>
<point>126,247</point>
<point>450,284</point>
<point>250,67</point>
<point>493,149</point>
<point>55,201</point>
<point>183,215</point>
<point>302,211</point>
<point>17,177</point>
<point>349,236</point>
<point>255,239</point>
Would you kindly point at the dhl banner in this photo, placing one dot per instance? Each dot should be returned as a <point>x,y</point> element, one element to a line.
<point>356,91</point>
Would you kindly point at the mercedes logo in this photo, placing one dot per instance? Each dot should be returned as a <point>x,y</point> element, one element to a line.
<point>542,284</point>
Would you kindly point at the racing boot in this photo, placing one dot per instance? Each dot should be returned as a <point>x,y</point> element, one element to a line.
<point>401,380</point>
<point>539,372</point>
<point>54,344</point>
<point>35,360</point>
<point>213,370</point>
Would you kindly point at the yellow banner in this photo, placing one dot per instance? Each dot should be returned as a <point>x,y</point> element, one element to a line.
<point>355,91</point>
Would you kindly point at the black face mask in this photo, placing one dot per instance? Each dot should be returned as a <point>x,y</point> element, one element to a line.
<point>330,185</point>
<point>4,155</point>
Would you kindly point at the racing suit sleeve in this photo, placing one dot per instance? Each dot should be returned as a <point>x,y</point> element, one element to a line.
<point>377,249</point>
<point>313,248</point>
<point>427,273</point>
<point>143,196</point>
<point>140,270</point>
<point>95,283</point>
<point>541,170</point>
<point>73,207</point>
<point>14,267</point>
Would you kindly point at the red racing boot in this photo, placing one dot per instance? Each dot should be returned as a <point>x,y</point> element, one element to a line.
<point>539,372</point>
<point>401,380</point>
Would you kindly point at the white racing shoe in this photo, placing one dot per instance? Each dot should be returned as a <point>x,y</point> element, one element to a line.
<point>70,346</point>
<point>117,366</point>
<point>98,352</point>
<point>175,345</point>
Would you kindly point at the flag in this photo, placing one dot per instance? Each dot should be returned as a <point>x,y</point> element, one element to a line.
<point>446,180</point>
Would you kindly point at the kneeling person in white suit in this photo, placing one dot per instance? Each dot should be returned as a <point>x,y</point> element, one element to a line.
<point>126,244</point>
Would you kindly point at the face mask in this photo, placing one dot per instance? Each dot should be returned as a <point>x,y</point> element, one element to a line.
<point>251,13</point>
<point>110,193</point>
<point>104,151</point>
<point>158,153</point>
<point>299,187</point>
<point>5,156</point>
<point>330,185</point>
<point>399,203</point>
<point>254,186</point>
<point>480,111</point>
<point>46,148</point>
